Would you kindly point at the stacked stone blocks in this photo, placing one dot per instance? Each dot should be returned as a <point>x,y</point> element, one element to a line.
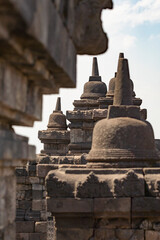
<point>31,219</point>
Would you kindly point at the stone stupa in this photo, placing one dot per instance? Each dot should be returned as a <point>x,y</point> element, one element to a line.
<point>116,196</point>
<point>124,139</point>
<point>111,89</point>
<point>86,113</point>
<point>56,138</point>
<point>94,88</point>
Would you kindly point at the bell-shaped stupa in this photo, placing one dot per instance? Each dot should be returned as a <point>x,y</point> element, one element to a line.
<point>111,89</point>
<point>57,119</point>
<point>87,111</point>
<point>56,138</point>
<point>94,88</point>
<point>123,139</point>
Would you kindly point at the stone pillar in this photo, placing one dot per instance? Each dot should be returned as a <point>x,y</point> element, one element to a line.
<point>14,151</point>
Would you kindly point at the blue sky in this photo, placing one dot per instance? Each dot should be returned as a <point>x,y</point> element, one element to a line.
<point>133,27</point>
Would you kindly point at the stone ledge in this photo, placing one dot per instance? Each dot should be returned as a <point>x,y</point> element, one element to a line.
<point>89,183</point>
<point>29,33</point>
<point>99,208</point>
<point>145,207</point>
<point>25,227</point>
<point>112,208</point>
<point>69,205</point>
<point>43,169</point>
<point>14,150</point>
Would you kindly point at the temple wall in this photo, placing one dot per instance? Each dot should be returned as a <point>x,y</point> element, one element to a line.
<point>120,203</point>
<point>7,203</point>
<point>31,213</point>
<point>38,56</point>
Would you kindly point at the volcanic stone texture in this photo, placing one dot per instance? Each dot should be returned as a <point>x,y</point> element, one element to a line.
<point>31,214</point>
<point>110,204</point>
<point>37,56</point>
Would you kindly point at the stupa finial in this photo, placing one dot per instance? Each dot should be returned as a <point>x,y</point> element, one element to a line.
<point>94,88</point>
<point>123,88</point>
<point>121,55</point>
<point>58,105</point>
<point>57,119</point>
<point>95,71</point>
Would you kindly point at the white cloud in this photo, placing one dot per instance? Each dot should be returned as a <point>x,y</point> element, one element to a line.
<point>128,13</point>
<point>154,37</point>
<point>129,41</point>
<point>145,11</point>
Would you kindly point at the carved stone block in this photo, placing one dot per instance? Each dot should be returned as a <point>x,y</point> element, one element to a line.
<point>130,185</point>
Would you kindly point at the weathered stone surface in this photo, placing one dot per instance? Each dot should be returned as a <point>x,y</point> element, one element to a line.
<point>154,235</point>
<point>129,185</point>
<point>112,223</point>
<point>9,232</point>
<point>32,215</point>
<point>123,88</point>
<point>24,236</point>
<point>14,147</point>
<point>90,32</point>
<point>25,204</point>
<point>20,213</point>
<point>57,187</point>
<point>145,207</point>
<point>157,143</point>
<point>115,140</point>
<point>70,205</point>
<point>38,205</point>
<point>41,227</point>
<point>25,227</point>
<point>152,179</point>
<point>92,187</point>
<point>75,222</point>
<point>124,111</point>
<point>37,194</point>
<point>37,236</point>
<point>81,128</point>
<point>45,37</point>
<point>62,58</point>
<point>112,208</point>
<point>7,202</point>
<point>56,138</point>
<point>119,234</point>
<point>39,43</point>
<point>95,183</point>
<point>72,234</point>
<point>94,88</point>
<point>43,169</point>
